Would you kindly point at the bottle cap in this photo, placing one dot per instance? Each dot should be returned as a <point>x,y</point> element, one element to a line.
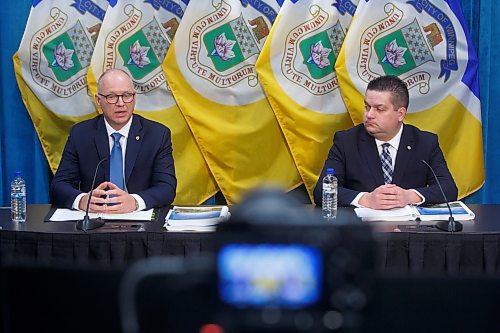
<point>18,173</point>
<point>330,171</point>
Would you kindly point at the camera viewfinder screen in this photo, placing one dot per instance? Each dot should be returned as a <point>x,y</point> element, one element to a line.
<point>261,275</point>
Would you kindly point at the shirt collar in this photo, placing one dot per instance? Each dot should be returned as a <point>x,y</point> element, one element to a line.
<point>123,131</point>
<point>394,142</point>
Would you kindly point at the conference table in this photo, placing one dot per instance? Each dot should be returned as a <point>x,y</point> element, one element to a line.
<point>400,247</point>
<point>53,274</point>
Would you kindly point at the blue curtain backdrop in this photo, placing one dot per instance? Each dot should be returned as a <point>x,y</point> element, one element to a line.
<point>481,16</point>
<point>21,149</point>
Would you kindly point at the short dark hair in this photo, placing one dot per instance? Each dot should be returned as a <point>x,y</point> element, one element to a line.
<point>395,86</point>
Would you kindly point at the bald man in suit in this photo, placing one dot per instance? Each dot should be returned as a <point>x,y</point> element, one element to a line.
<point>356,156</point>
<point>147,178</point>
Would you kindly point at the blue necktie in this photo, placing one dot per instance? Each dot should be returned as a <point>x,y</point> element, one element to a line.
<point>386,160</point>
<point>116,162</point>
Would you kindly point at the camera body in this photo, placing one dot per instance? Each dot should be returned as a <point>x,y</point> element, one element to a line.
<point>311,276</point>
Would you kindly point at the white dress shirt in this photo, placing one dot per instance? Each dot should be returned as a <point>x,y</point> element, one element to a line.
<point>393,151</point>
<point>124,131</point>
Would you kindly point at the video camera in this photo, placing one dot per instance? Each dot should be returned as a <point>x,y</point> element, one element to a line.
<point>281,267</point>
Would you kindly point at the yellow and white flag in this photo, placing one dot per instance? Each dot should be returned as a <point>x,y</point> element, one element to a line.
<point>296,68</point>
<point>426,44</point>
<point>51,67</point>
<point>135,36</point>
<point>211,70</point>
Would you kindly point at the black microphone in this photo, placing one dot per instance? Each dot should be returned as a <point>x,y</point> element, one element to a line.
<point>87,223</point>
<point>451,225</point>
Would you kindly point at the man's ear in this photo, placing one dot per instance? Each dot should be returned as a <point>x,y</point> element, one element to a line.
<point>98,100</point>
<point>402,113</point>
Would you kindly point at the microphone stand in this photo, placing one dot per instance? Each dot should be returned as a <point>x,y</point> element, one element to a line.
<point>451,225</point>
<point>87,223</point>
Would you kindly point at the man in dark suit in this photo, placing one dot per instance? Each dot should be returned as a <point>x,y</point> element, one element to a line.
<point>138,168</point>
<point>379,163</point>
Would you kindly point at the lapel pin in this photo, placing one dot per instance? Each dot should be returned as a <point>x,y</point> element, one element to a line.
<point>138,137</point>
<point>408,147</point>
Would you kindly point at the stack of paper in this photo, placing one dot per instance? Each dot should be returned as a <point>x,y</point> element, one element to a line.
<point>396,214</point>
<point>196,218</point>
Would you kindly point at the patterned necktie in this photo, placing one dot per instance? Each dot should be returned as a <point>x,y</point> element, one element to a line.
<point>386,160</point>
<point>116,162</point>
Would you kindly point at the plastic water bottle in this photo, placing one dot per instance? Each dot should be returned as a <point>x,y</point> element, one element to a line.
<point>329,204</point>
<point>18,198</point>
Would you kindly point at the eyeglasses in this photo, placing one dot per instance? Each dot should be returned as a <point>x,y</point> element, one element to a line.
<point>113,99</point>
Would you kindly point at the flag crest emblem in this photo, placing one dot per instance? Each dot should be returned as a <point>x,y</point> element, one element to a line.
<point>321,50</point>
<point>65,52</point>
<point>311,50</point>
<point>394,45</point>
<point>144,51</point>
<point>403,50</point>
<point>224,50</point>
<point>230,44</point>
<point>139,44</point>
<point>69,52</point>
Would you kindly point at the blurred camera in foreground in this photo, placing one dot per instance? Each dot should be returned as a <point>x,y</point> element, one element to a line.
<point>282,267</point>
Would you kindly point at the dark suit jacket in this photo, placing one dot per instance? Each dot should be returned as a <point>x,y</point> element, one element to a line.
<point>149,165</point>
<point>356,161</point>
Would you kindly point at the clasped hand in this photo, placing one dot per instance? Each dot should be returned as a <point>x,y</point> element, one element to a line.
<point>389,196</point>
<point>108,198</point>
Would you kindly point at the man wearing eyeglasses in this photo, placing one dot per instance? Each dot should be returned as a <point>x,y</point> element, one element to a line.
<point>136,166</point>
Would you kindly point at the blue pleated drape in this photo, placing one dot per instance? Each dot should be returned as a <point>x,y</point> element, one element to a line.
<point>20,146</point>
<point>482,17</point>
<point>21,149</point>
